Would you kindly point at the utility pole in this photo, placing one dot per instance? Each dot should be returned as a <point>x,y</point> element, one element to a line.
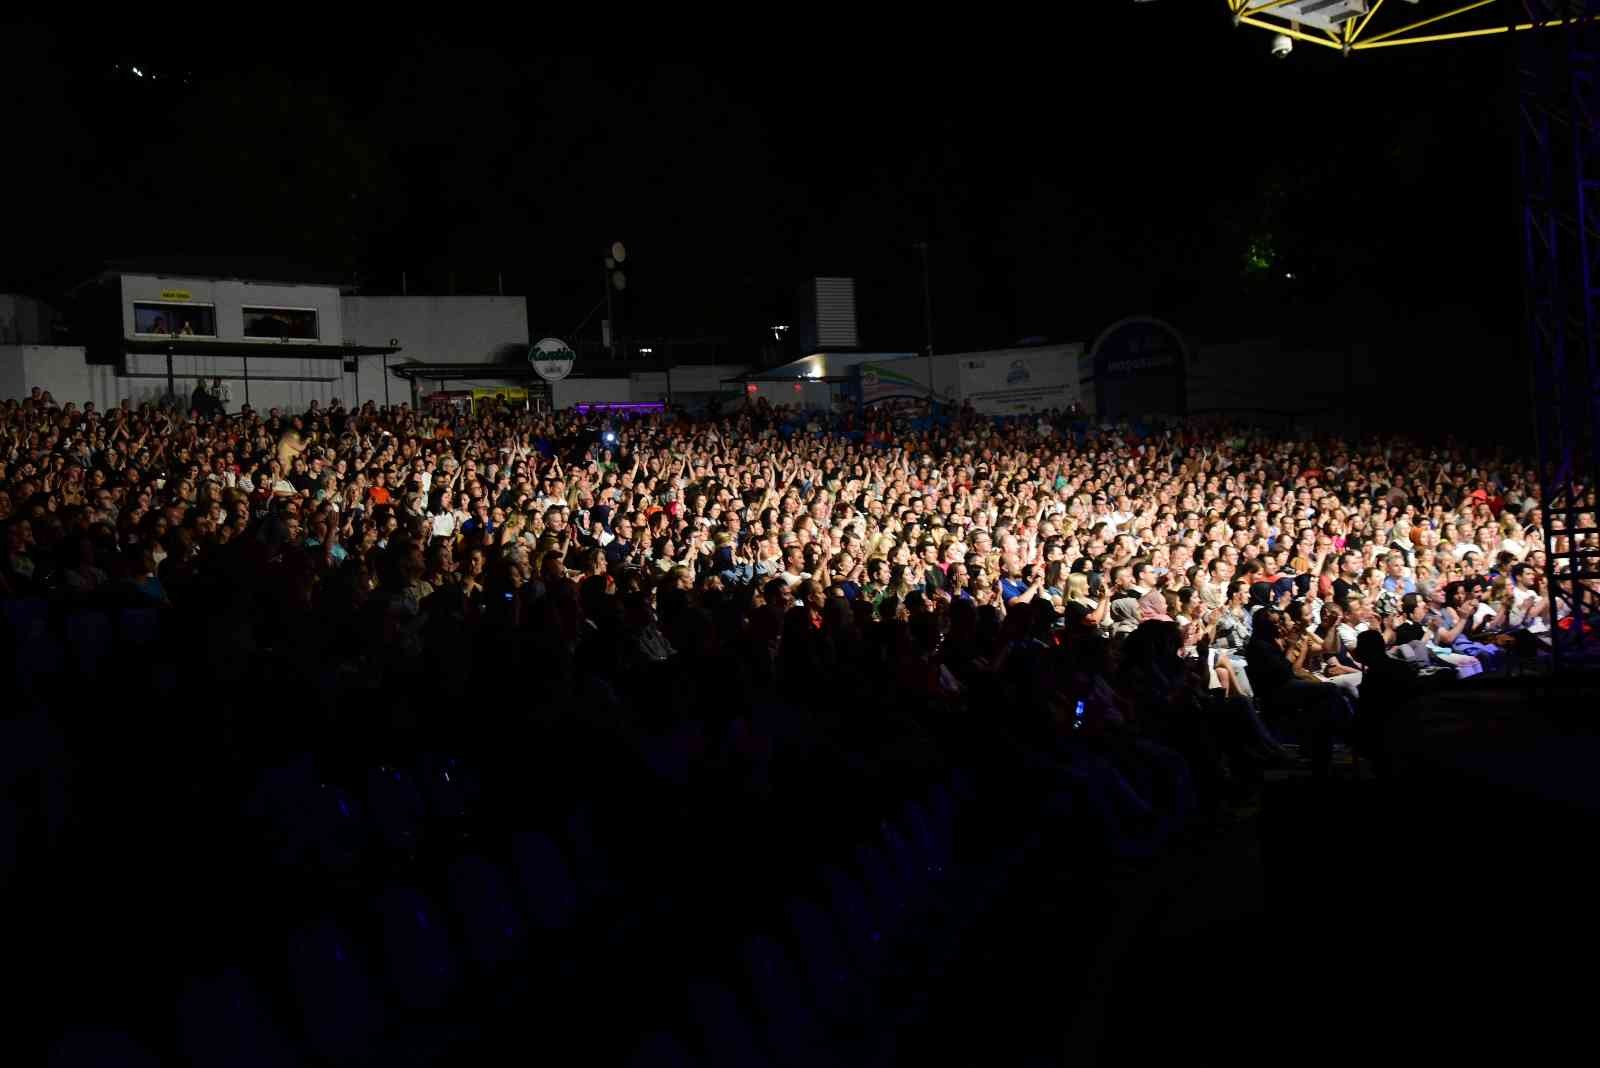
<point>927,317</point>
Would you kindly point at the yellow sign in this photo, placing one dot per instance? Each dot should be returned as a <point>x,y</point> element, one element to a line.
<point>176,294</point>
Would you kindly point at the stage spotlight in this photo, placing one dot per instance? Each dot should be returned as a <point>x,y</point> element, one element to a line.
<point>1282,45</point>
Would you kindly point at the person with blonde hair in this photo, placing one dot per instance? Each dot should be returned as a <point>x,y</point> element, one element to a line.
<point>1511,535</point>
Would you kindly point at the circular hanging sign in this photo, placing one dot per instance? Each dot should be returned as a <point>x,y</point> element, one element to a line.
<point>1140,368</point>
<point>551,358</point>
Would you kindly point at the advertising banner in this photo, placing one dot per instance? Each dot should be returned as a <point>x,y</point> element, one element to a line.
<point>900,379</point>
<point>1013,383</point>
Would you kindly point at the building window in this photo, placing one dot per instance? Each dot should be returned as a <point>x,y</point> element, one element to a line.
<point>183,320</point>
<point>275,323</point>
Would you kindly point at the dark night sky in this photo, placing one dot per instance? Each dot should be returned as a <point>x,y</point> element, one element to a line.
<point>1126,168</point>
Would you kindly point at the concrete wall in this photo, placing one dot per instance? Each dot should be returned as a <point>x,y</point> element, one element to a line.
<point>946,374</point>
<point>60,370</point>
<point>227,298</point>
<point>269,385</point>
<point>25,321</point>
<point>13,373</point>
<point>812,396</point>
<point>441,329</point>
<point>290,383</point>
<point>67,374</point>
<point>693,387</point>
<point>1275,386</point>
<point>570,391</point>
<point>433,330</point>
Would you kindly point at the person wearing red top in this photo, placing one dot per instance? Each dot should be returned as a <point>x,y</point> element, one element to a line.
<point>378,493</point>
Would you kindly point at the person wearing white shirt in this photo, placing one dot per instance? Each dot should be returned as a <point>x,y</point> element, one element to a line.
<point>444,520</point>
<point>1527,605</point>
<point>1353,622</point>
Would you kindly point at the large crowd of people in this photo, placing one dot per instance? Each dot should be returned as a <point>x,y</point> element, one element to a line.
<point>789,617</point>
<point>1129,572</point>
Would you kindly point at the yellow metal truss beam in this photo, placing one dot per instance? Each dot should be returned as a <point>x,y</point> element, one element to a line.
<point>1461,35</point>
<point>1352,34</point>
<point>1361,28</point>
<point>1452,13</point>
<point>1288,31</point>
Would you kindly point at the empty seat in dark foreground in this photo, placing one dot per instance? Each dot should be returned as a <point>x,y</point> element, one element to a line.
<point>341,1015</point>
<point>857,920</point>
<point>591,868</point>
<point>660,1050</point>
<point>396,807</point>
<point>794,1031</point>
<point>931,842</point>
<point>725,1031</point>
<point>28,618</point>
<point>139,627</point>
<point>907,866</point>
<point>448,785</point>
<point>100,1049</point>
<point>495,929</point>
<point>223,1022</point>
<point>421,966</point>
<point>42,658</point>
<point>337,835</point>
<point>282,796</point>
<point>548,889</point>
<point>885,891</point>
<point>306,820</point>
<point>837,989</point>
<point>89,639</point>
<point>11,827</point>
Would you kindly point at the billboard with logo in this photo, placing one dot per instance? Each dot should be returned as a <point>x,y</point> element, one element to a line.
<point>1018,381</point>
<point>552,358</point>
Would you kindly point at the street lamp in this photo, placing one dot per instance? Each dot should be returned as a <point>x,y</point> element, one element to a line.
<point>616,281</point>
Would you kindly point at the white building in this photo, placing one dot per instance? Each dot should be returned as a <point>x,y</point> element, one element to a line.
<point>274,344</point>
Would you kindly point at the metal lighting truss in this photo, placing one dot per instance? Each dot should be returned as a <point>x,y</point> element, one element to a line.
<point>1560,213</point>
<point>1560,174</point>
<point>1356,25</point>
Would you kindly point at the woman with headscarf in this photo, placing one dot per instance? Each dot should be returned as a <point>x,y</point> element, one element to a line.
<point>1124,616</point>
